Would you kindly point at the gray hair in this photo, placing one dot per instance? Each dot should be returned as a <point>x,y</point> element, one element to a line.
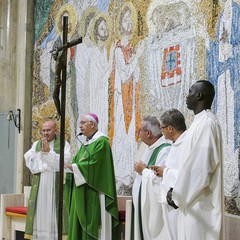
<point>152,124</point>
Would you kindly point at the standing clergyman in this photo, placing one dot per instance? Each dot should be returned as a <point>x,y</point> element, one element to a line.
<point>43,161</point>
<point>94,210</point>
<point>148,219</point>
<point>198,191</point>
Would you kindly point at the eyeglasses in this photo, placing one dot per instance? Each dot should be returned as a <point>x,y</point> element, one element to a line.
<point>162,127</point>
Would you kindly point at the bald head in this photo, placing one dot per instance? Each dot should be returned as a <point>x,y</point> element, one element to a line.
<point>50,123</point>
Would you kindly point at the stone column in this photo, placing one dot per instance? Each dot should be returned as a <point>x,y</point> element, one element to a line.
<point>16,56</point>
<point>24,76</point>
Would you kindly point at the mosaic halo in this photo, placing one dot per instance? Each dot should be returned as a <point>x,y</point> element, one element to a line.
<point>181,9</point>
<point>68,10</point>
<point>109,26</point>
<point>90,10</point>
<point>153,6</point>
<point>134,18</point>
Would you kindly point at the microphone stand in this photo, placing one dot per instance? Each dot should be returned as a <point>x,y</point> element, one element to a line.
<point>86,198</point>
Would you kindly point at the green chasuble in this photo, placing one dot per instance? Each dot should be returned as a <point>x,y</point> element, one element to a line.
<point>34,192</point>
<point>95,162</point>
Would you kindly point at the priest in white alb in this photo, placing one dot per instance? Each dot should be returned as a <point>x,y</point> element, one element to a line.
<point>198,191</point>
<point>148,219</point>
<point>43,162</point>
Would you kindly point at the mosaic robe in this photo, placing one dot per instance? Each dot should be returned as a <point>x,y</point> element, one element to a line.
<point>170,68</point>
<point>125,113</point>
<point>100,70</point>
<point>82,64</point>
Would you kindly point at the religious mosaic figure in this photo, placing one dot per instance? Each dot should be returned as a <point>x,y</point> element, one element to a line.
<point>170,54</point>
<point>125,112</point>
<point>224,59</point>
<point>100,69</point>
<point>82,61</point>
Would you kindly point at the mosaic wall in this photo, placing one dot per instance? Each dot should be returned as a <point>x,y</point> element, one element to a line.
<point>138,58</point>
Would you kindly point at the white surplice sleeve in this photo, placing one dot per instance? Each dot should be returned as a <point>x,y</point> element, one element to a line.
<point>169,177</point>
<point>41,161</point>
<point>78,177</point>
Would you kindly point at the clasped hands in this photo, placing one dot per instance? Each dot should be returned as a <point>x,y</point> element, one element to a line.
<point>140,166</point>
<point>158,170</point>
<point>45,145</point>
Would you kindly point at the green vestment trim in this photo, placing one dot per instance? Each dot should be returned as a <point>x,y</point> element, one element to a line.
<point>151,162</point>
<point>155,153</point>
<point>96,165</point>
<point>34,191</point>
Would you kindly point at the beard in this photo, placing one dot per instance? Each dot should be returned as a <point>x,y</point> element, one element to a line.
<point>103,38</point>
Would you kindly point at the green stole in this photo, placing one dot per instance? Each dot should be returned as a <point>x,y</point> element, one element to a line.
<point>33,196</point>
<point>151,162</point>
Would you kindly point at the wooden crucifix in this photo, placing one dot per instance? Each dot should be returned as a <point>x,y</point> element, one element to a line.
<point>60,56</point>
